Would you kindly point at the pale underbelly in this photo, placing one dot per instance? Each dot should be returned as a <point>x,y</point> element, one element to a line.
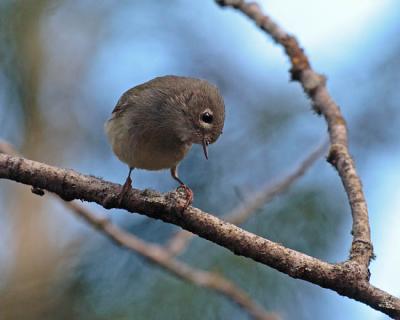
<point>151,159</point>
<point>145,151</point>
<point>150,156</point>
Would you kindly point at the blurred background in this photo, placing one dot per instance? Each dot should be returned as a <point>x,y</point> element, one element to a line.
<point>63,66</point>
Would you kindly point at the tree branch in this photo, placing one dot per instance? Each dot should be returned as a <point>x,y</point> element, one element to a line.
<point>348,278</point>
<point>314,85</point>
<point>160,256</point>
<point>243,212</point>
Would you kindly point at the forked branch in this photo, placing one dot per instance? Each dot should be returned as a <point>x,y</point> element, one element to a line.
<point>349,278</point>
<point>314,85</point>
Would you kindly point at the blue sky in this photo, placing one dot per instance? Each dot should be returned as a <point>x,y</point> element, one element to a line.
<point>342,39</point>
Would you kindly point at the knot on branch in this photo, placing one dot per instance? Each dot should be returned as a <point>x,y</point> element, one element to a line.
<point>37,191</point>
<point>362,251</point>
<point>297,57</point>
<point>311,81</point>
<point>336,151</point>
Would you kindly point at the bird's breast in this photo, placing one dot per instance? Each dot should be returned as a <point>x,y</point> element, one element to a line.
<point>156,153</point>
<point>147,147</point>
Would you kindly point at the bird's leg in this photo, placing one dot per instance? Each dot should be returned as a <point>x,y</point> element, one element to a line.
<point>188,191</point>
<point>126,187</point>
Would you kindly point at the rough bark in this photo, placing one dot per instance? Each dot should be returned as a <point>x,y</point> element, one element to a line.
<point>349,278</point>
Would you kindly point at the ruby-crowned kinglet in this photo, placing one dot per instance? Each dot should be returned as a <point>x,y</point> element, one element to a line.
<point>154,124</point>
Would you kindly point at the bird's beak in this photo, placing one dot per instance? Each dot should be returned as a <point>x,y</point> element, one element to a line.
<point>205,145</point>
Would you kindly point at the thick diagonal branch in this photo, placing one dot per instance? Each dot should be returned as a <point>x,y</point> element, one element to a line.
<point>244,211</point>
<point>339,156</point>
<point>159,256</point>
<point>348,279</point>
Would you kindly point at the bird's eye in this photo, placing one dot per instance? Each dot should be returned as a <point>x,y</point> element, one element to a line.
<point>207,117</point>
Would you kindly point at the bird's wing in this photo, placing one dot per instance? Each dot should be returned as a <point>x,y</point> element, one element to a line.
<point>160,86</point>
<point>126,100</point>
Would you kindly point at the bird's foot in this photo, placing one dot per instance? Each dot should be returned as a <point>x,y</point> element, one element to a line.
<point>189,195</point>
<point>125,189</point>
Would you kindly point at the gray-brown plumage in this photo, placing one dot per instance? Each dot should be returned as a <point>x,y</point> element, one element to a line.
<point>154,124</point>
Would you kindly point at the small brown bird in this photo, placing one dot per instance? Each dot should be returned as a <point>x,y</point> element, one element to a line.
<point>154,125</point>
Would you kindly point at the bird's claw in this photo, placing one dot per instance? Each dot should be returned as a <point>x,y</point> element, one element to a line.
<point>124,190</point>
<point>189,195</point>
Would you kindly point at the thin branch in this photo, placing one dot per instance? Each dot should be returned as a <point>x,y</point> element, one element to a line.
<point>159,256</point>
<point>243,212</point>
<point>179,242</point>
<point>240,214</point>
<point>314,85</point>
<point>348,278</point>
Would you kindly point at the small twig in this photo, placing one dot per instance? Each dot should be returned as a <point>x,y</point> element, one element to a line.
<point>314,85</point>
<point>242,213</point>
<point>160,257</point>
<point>179,242</point>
